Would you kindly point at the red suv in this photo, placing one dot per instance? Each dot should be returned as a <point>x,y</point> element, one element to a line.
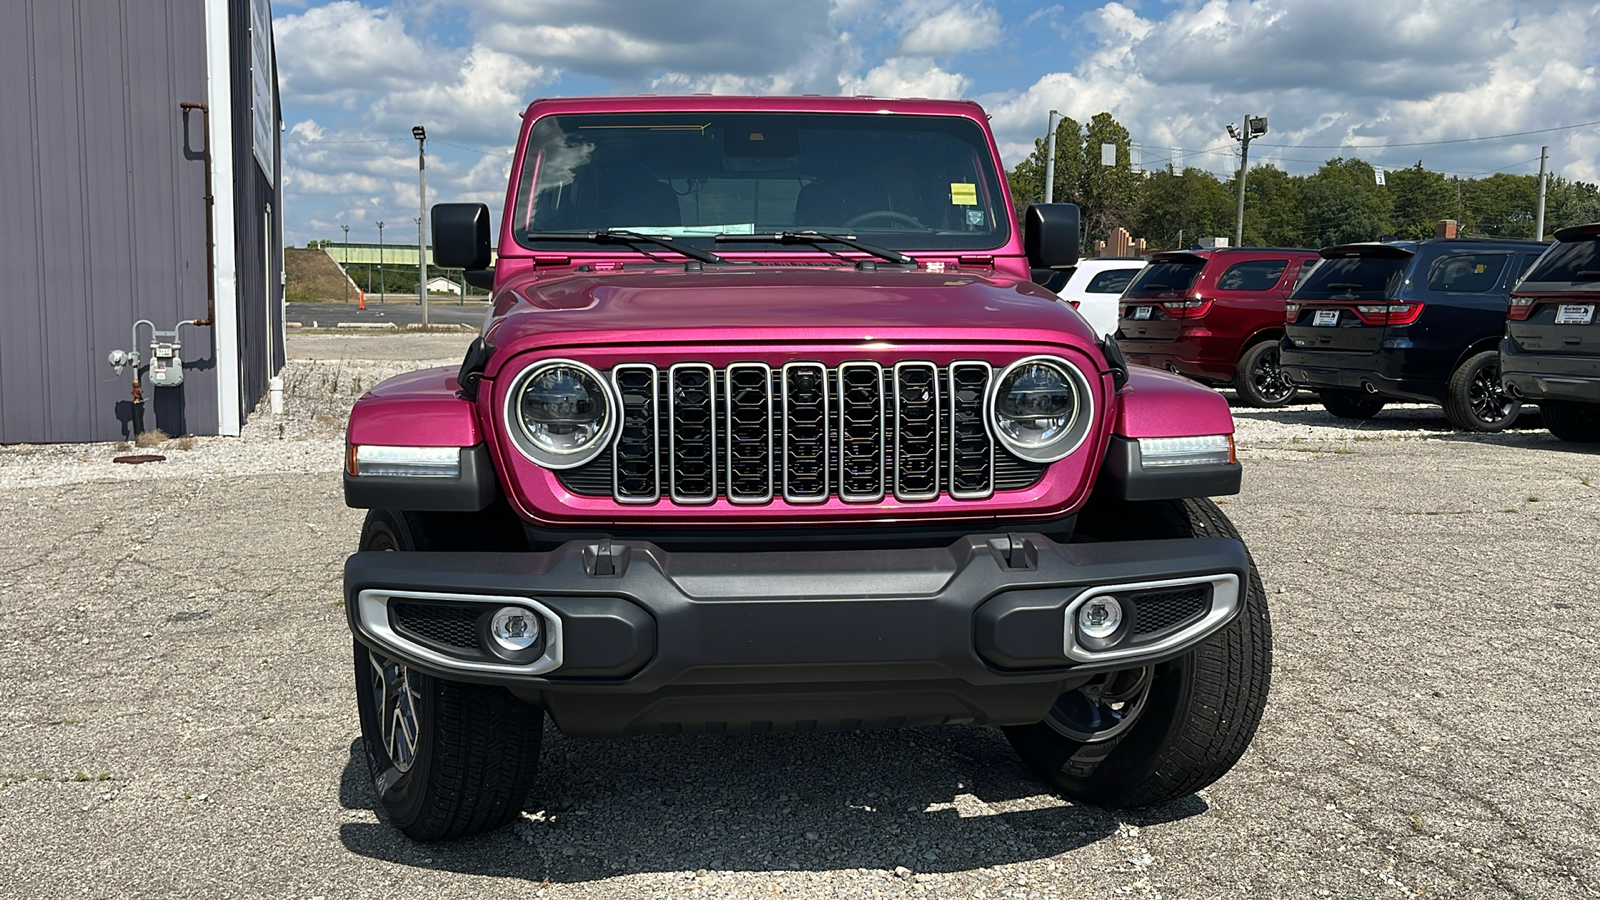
<point>1215,316</point>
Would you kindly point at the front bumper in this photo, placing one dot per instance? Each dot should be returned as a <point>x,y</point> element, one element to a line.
<point>641,640</point>
<point>1547,376</point>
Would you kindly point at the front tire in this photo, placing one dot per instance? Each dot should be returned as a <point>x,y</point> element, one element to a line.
<point>1475,400</point>
<point>447,759</point>
<point>1170,729</point>
<point>1350,405</point>
<point>1259,379</point>
<point>1576,422</point>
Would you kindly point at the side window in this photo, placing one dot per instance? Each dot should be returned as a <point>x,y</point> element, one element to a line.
<point>1111,281</point>
<point>1255,275</point>
<point>1305,269</point>
<point>1466,274</point>
<point>1524,263</point>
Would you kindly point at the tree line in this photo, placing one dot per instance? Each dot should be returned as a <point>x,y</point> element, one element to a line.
<point>1172,207</point>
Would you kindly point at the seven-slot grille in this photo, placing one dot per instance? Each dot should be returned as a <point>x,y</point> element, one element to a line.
<point>805,432</point>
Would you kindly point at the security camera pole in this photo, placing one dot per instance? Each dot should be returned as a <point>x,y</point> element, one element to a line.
<point>1253,128</point>
<point>1050,160</point>
<point>421,134</point>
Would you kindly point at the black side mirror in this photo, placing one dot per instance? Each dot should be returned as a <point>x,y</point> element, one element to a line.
<point>1050,235</point>
<point>461,238</point>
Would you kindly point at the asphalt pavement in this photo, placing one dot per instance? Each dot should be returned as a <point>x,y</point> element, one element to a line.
<point>398,309</point>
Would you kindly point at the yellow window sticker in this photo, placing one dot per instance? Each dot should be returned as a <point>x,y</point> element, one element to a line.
<point>963,194</point>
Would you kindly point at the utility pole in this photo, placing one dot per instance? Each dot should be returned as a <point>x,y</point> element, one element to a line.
<point>1254,127</point>
<point>421,134</point>
<point>1544,158</point>
<point>346,262</point>
<point>1050,160</point>
<point>380,262</point>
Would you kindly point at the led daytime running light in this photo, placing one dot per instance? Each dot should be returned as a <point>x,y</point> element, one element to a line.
<point>1210,450</point>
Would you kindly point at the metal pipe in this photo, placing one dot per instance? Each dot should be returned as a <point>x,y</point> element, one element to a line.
<point>211,203</point>
<point>1050,160</point>
<point>1544,158</point>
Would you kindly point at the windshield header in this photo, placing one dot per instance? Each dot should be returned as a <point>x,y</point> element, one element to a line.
<point>904,182</point>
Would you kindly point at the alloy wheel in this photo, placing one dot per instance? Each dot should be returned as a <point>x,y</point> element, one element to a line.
<point>396,692</point>
<point>1267,376</point>
<point>1103,708</point>
<point>1487,397</point>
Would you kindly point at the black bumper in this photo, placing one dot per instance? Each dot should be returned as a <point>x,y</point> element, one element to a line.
<point>974,632</point>
<point>1331,370</point>
<point>1548,376</point>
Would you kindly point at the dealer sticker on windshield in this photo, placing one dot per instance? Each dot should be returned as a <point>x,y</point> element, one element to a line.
<point>1574,314</point>
<point>1141,312</point>
<point>1325,317</point>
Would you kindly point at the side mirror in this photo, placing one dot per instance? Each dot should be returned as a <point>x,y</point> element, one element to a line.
<point>461,236</point>
<point>1050,235</point>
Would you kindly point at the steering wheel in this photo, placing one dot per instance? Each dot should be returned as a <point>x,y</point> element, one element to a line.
<point>899,218</point>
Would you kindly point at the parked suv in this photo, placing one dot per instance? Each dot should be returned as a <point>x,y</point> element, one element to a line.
<point>1215,316</point>
<point>1551,351</point>
<point>1094,286</point>
<point>1408,320</point>
<point>767,429</point>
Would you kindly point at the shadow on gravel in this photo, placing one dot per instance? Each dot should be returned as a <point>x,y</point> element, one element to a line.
<point>929,799</point>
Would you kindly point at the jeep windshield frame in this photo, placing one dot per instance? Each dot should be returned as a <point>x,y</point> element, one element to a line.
<point>906,182</point>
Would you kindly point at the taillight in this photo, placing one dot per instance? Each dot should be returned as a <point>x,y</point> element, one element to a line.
<point>1291,312</point>
<point>1388,313</point>
<point>1520,309</point>
<point>1186,309</point>
<point>1074,303</point>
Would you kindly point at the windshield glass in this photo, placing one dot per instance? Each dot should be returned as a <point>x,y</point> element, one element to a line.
<point>1354,278</point>
<point>905,182</point>
<point>1164,277</point>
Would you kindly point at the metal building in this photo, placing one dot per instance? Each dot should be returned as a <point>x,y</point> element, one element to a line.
<point>115,113</point>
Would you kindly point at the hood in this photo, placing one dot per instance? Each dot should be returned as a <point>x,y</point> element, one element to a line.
<point>780,305</point>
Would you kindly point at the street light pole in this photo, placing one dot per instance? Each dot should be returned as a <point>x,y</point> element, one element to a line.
<point>1544,160</point>
<point>346,262</point>
<point>1254,127</point>
<point>421,135</point>
<point>380,263</point>
<point>1050,159</point>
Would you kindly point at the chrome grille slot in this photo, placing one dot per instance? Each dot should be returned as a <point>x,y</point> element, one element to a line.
<point>861,437</point>
<point>916,415</point>
<point>692,435</point>
<point>971,448</point>
<point>805,432</point>
<point>748,395</point>
<point>635,474</point>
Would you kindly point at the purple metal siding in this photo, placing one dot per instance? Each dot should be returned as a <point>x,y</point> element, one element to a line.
<point>101,214</point>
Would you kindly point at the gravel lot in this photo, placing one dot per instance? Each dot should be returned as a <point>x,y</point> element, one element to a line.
<point>180,720</point>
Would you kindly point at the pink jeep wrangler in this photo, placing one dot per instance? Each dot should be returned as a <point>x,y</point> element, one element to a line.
<point>768,430</point>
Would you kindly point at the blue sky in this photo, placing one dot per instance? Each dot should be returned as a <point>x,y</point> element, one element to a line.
<point>1335,78</point>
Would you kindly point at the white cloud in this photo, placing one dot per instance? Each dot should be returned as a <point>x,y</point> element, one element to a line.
<point>955,29</point>
<point>339,53</point>
<point>906,77</point>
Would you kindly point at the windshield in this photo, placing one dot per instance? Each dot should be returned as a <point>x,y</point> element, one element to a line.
<point>905,182</point>
<point>1165,277</point>
<point>1578,261</point>
<point>1354,278</point>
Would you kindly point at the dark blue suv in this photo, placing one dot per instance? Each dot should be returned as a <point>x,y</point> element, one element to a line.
<point>1417,321</point>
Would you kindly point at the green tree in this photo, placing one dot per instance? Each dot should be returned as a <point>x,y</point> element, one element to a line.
<point>1502,205</point>
<point>1176,208</point>
<point>1027,178</point>
<point>1108,195</point>
<point>1344,203</point>
<point>1570,203</point>
<point>1421,199</point>
<point>1274,215</point>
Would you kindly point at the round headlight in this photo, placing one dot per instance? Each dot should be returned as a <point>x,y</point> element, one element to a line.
<point>561,413</point>
<point>1041,408</point>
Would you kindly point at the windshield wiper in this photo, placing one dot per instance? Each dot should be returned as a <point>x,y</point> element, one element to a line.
<point>622,236</point>
<point>817,237</point>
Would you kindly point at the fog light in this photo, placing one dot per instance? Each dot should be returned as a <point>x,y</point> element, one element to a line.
<point>1099,617</point>
<point>514,628</point>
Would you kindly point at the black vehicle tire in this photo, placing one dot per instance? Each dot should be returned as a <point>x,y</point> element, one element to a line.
<point>1259,380</point>
<point>1576,422</point>
<point>447,759</point>
<point>1475,400</point>
<point>1351,405</point>
<point>1199,711</point>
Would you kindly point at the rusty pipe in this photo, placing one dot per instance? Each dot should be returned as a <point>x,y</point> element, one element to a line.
<point>211,206</point>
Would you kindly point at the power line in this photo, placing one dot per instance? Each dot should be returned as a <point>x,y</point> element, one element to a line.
<point>1488,137</point>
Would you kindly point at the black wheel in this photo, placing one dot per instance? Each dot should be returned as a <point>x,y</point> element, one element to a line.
<point>447,759</point>
<point>1154,734</point>
<point>1259,380</point>
<point>1475,400</point>
<point>1351,405</point>
<point>1576,422</point>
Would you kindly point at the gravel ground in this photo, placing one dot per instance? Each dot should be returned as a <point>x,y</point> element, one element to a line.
<point>180,721</point>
